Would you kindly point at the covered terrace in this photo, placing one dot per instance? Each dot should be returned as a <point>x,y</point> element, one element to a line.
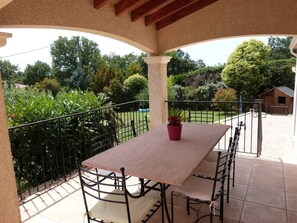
<point>265,188</point>
<point>153,26</point>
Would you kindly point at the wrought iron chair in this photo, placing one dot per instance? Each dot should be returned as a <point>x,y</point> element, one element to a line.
<point>101,142</point>
<point>205,191</point>
<point>212,156</point>
<point>125,132</point>
<point>207,169</point>
<point>106,202</point>
<point>104,141</point>
<point>140,126</point>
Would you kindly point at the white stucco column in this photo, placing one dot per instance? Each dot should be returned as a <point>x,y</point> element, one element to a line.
<point>9,205</point>
<point>157,78</point>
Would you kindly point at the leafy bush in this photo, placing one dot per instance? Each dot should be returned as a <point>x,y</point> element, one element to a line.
<point>143,95</point>
<point>30,105</point>
<point>228,94</point>
<point>115,91</point>
<point>46,150</point>
<point>50,85</point>
<point>134,84</point>
<point>225,95</point>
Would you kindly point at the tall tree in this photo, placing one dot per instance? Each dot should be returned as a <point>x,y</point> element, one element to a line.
<point>143,64</point>
<point>279,47</point>
<point>127,65</point>
<point>37,72</point>
<point>74,57</point>
<point>8,71</point>
<point>133,68</point>
<point>281,74</point>
<point>106,73</point>
<point>246,68</point>
<point>181,63</point>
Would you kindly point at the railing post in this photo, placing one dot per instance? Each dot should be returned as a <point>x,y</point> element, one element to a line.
<point>260,136</point>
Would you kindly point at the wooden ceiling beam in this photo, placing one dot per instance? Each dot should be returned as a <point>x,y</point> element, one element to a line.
<point>123,6</point>
<point>146,8</point>
<point>166,11</point>
<point>98,4</point>
<point>183,13</point>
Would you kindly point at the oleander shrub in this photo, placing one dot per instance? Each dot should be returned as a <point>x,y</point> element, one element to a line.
<point>48,134</point>
<point>31,105</point>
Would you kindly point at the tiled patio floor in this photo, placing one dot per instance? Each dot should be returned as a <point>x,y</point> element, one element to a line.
<point>265,189</point>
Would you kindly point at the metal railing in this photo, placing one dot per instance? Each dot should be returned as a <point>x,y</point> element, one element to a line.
<point>45,152</point>
<point>229,113</point>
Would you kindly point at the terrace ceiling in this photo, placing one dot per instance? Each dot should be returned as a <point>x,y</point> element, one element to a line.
<point>155,26</point>
<point>161,13</point>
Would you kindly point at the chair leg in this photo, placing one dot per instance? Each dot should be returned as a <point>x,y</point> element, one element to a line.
<point>233,180</point>
<point>228,188</point>
<point>188,205</point>
<point>172,214</point>
<point>162,200</point>
<point>222,208</point>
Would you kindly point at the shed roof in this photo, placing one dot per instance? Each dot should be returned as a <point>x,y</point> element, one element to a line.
<point>284,89</point>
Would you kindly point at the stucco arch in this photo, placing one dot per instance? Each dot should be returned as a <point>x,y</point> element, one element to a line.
<point>225,18</point>
<point>80,16</point>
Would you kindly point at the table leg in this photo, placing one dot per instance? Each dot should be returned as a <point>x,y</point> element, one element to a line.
<point>164,204</point>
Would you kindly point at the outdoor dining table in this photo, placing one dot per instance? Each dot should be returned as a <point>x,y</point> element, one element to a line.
<point>154,157</point>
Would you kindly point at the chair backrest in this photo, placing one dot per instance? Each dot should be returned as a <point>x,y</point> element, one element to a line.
<point>125,132</point>
<point>237,133</point>
<point>114,202</point>
<point>236,139</point>
<point>102,187</point>
<point>140,126</point>
<point>220,174</point>
<point>240,125</point>
<point>232,150</point>
<point>102,142</point>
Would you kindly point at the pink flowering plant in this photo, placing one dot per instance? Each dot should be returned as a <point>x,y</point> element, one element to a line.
<point>174,120</point>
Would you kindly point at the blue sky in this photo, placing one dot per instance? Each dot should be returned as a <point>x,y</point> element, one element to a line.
<point>37,42</point>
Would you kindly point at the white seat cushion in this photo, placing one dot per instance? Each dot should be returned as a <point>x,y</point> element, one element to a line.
<point>213,155</point>
<point>117,213</point>
<point>198,188</point>
<point>206,168</point>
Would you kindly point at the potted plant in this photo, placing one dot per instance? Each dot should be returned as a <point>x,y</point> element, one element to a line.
<point>174,127</point>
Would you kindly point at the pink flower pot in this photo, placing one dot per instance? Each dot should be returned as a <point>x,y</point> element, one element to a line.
<point>174,132</point>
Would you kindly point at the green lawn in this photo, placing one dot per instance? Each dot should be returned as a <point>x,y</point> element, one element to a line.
<point>197,116</point>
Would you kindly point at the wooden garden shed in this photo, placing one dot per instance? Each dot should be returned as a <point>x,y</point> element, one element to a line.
<point>278,100</point>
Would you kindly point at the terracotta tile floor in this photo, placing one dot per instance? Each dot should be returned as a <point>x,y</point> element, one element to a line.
<point>265,190</point>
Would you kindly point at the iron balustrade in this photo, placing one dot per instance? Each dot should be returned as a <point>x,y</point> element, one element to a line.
<point>45,152</point>
<point>230,113</point>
